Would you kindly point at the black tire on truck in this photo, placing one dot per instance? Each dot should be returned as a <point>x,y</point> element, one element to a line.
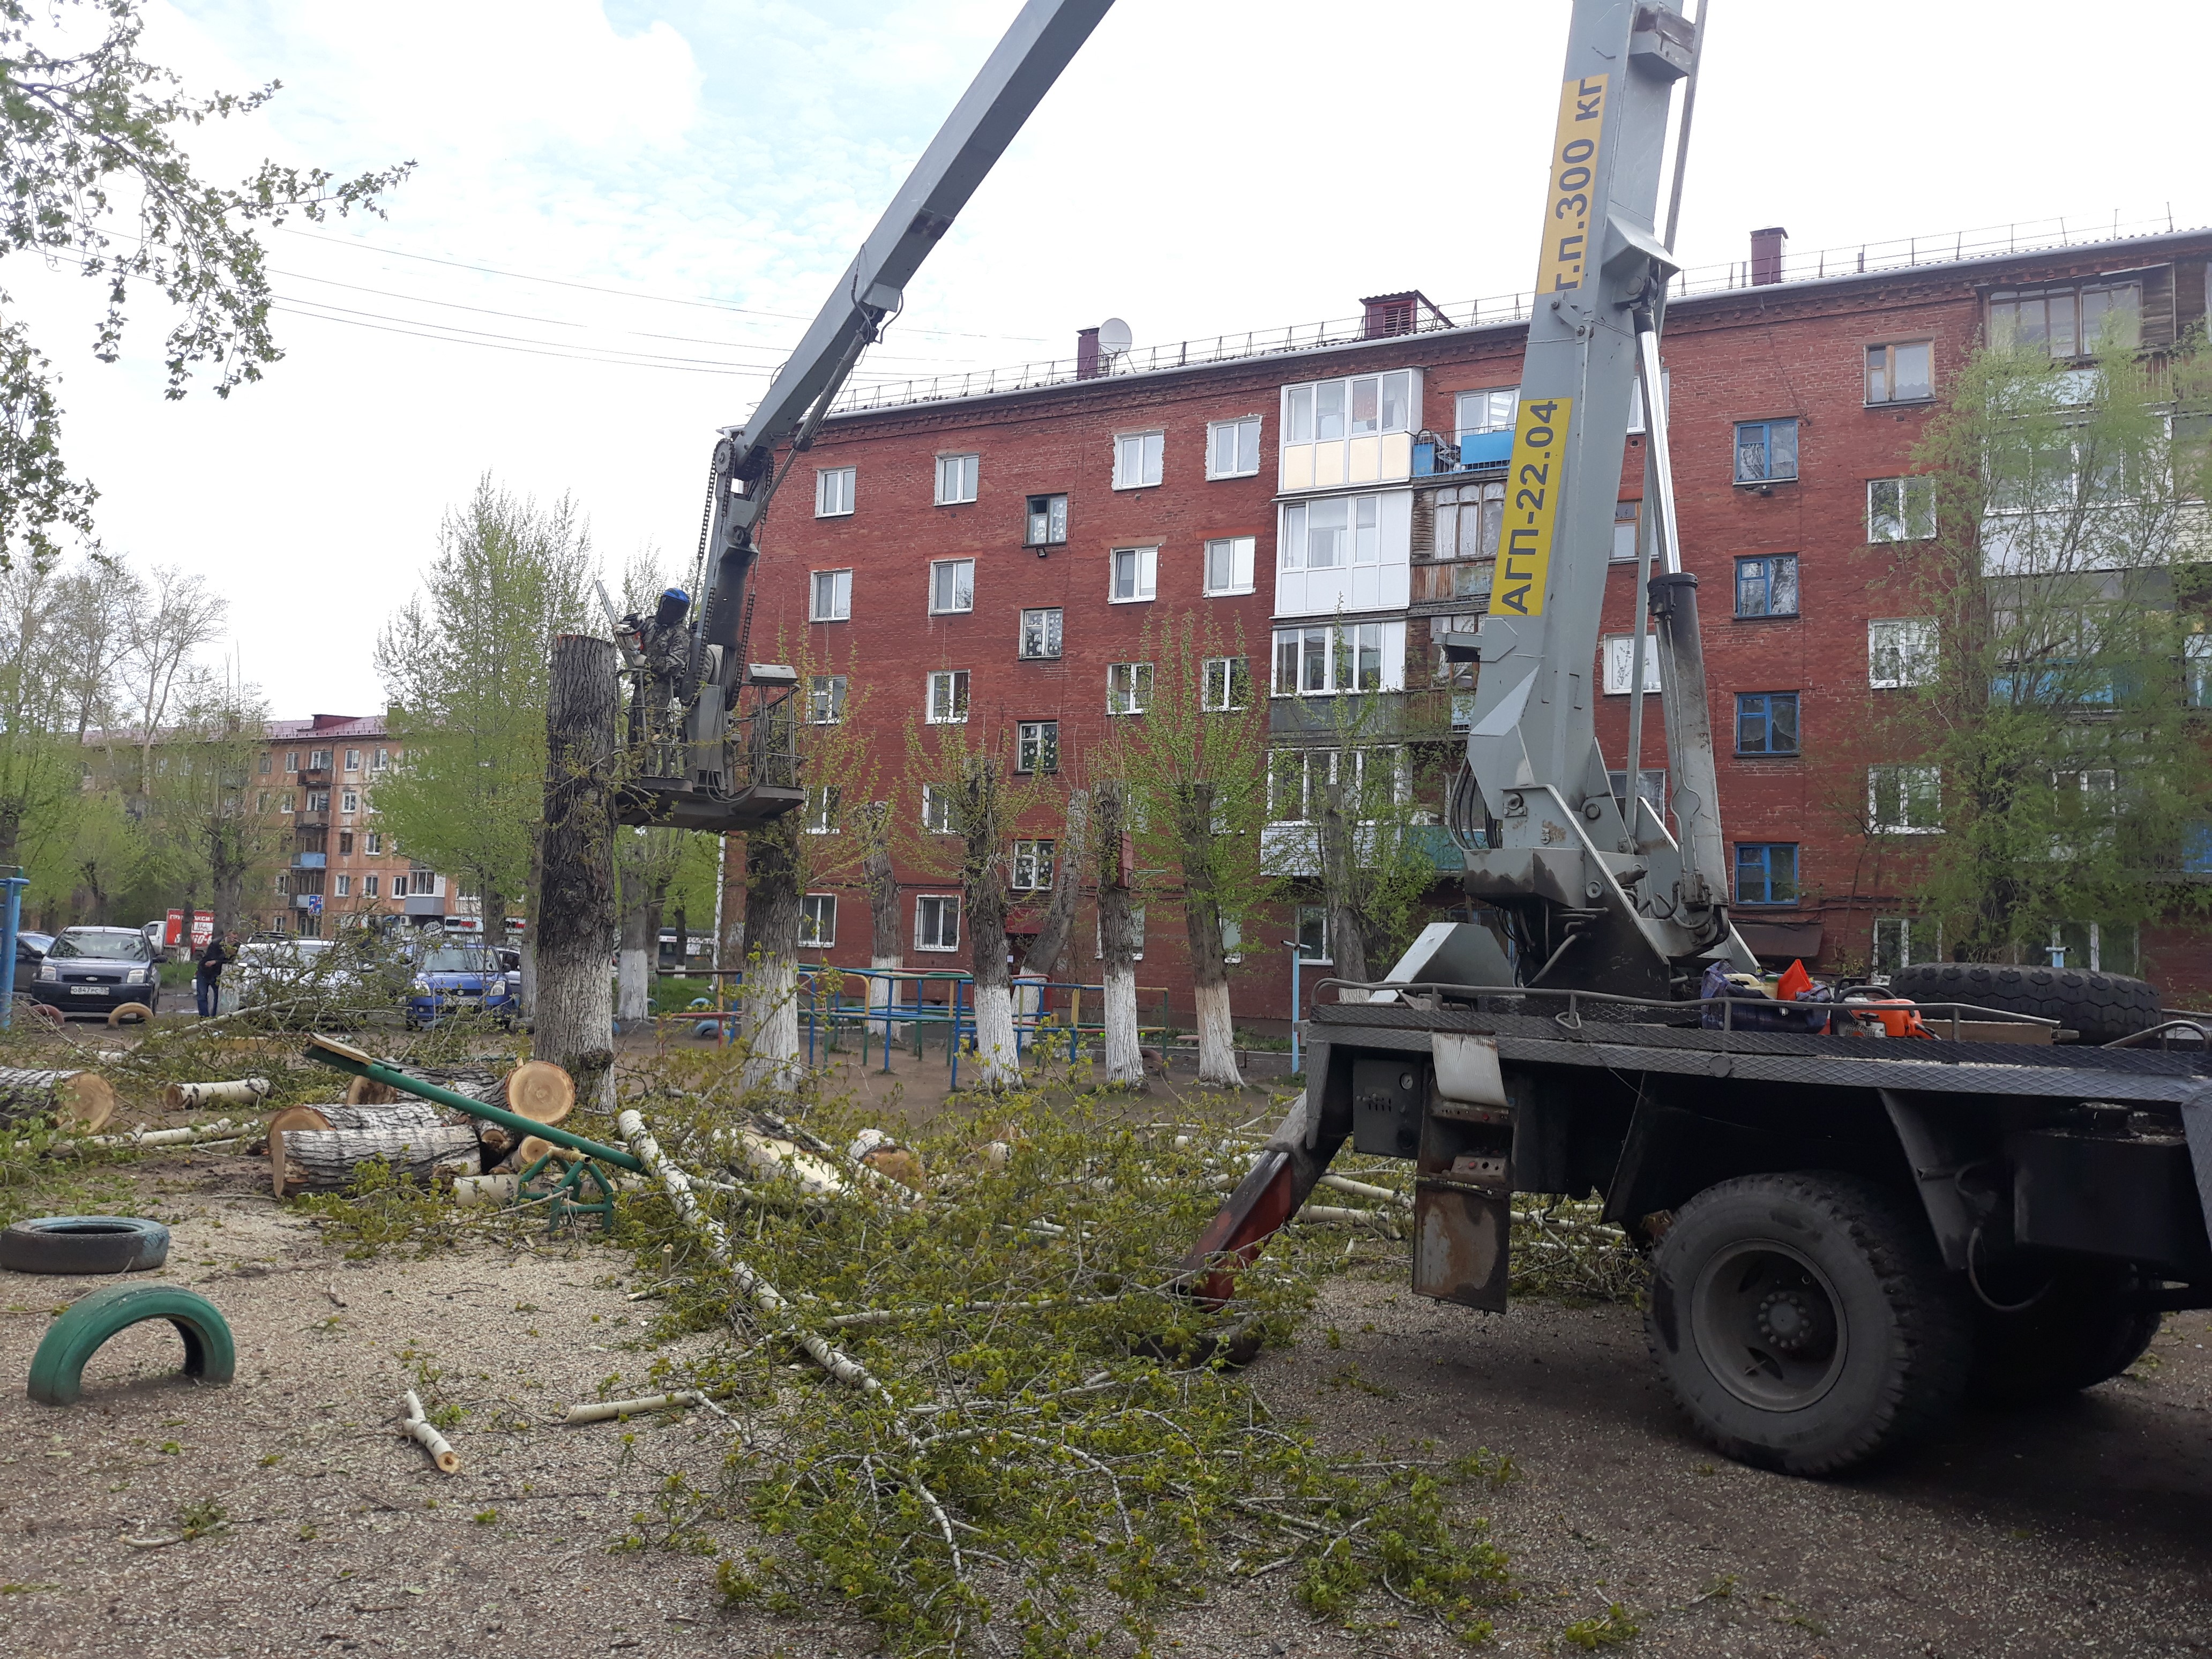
<point>2078,1328</point>
<point>2102,1007</point>
<point>1806,1322</point>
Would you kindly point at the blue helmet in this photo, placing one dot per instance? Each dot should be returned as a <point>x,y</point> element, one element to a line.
<point>674,604</point>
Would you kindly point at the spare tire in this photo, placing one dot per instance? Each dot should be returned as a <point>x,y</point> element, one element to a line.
<point>84,1244</point>
<point>2102,1007</point>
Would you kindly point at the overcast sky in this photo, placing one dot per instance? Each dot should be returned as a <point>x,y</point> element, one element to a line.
<point>623,214</point>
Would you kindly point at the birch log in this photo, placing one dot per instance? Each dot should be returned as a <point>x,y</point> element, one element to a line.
<point>85,1096</point>
<point>418,1428</point>
<point>324,1160</point>
<point>240,1091</point>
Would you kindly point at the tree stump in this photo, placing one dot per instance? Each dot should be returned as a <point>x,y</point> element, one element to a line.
<point>575,911</point>
<point>85,1098</point>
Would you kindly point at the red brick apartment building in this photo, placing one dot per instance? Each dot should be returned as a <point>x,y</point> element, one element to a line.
<point>999,543</point>
<point>314,782</point>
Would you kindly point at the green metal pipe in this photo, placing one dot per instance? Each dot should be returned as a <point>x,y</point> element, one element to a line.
<point>344,1057</point>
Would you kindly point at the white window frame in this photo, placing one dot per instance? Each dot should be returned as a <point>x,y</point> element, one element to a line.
<point>1923,773</point>
<point>1235,430</point>
<point>1055,519</point>
<point>937,811</point>
<point>834,488</point>
<point>814,909</point>
<point>1128,688</point>
<point>1136,935</point>
<point>344,885</point>
<point>825,699</point>
<point>1915,519</point>
<point>1913,641</point>
<point>1335,651</point>
<point>368,886</point>
<point>820,814</point>
<point>932,913</point>
<point>1053,630</point>
<point>939,571</point>
<point>840,608</point>
<point>945,697</point>
<point>1218,683</point>
<point>372,844</point>
<point>1241,554</point>
<point>1506,399</point>
<point>1031,866</point>
<point>1145,569</point>
<point>1030,744</point>
<point>348,800</point>
<point>958,478</point>
<point>352,761</point>
<point>1318,913</point>
<point>1319,768</point>
<point>1621,663</point>
<point>1140,458</point>
<point>1362,533</point>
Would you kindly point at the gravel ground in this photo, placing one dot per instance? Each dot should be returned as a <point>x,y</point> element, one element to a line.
<point>2080,1528</point>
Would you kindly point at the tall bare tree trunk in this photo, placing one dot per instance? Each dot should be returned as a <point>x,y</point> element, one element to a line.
<point>1125,1060</point>
<point>1340,877</point>
<point>886,937</point>
<point>770,1026</point>
<point>631,982</point>
<point>532,918</point>
<point>1050,943</point>
<point>576,881</point>
<point>982,817</point>
<point>1209,971</point>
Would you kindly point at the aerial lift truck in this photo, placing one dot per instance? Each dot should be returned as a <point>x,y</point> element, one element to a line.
<point>1850,1232</point>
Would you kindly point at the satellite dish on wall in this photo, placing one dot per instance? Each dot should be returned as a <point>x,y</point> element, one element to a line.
<point>1114,336</point>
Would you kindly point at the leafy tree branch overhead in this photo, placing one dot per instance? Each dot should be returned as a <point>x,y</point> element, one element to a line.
<point>93,175</point>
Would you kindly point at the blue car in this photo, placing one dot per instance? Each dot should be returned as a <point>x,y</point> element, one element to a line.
<point>454,979</point>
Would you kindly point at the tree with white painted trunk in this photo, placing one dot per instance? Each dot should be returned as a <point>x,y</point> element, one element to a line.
<point>646,861</point>
<point>968,800</point>
<point>1196,745</point>
<point>879,878</point>
<point>794,865</point>
<point>1112,857</point>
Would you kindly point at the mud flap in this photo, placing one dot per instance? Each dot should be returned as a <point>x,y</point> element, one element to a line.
<point>1463,1242</point>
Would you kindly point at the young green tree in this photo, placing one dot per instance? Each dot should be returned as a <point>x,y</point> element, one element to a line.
<point>93,176</point>
<point>465,663</point>
<point>2035,754</point>
<point>200,813</point>
<point>1194,743</point>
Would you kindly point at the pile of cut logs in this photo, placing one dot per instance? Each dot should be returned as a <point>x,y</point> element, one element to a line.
<point>318,1148</point>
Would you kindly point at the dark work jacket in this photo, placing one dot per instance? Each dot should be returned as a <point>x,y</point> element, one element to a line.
<point>211,960</point>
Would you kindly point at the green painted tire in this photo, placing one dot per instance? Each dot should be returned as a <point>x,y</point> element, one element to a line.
<point>58,1368</point>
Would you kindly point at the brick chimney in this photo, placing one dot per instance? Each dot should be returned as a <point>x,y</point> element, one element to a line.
<point>1767,247</point>
<point>1087,353</point>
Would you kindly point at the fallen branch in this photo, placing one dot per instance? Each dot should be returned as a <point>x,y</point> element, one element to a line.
<point>192,1135</point>
<point>1362,1189</point>
<point>606,1410</point>
<point>238,1091</point>
<point>417,1425</point>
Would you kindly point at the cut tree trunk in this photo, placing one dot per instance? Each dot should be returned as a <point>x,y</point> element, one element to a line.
<point>983,895</point>
<point>327,1160</point>
<point>1209,971</point>
<point>886,936</point>
<point>85,1098</point>
<point>633,986</point>
<point>1125,1060</point>
<point>1340,876</point>
<point>772,911</point>
<point>574,1026</point>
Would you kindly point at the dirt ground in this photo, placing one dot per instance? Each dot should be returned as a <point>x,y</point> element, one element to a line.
<point>2086,1527</point>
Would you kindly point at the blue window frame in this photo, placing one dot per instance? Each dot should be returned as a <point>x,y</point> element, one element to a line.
<point>1765,451</point>
<point>1766,723</point>
<point>1766,587</point>
<point>1767,873</point>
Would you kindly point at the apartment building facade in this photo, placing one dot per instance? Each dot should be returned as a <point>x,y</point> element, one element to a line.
<point>314,782</point>
<point>1010,558</point>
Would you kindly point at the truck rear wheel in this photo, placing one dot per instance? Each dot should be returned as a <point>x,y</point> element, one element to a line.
<point>2077,1329</point>
<point>1806,1322</point>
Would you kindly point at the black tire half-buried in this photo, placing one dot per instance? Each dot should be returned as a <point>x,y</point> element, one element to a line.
<point>84,1244</point>
<point>1805,1321</point>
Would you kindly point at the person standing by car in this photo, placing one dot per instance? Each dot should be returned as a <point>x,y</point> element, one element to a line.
<point>207,979</point>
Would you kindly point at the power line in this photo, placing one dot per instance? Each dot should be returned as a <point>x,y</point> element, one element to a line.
<point>624,293</point>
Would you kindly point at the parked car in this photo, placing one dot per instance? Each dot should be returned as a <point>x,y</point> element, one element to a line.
<point>92,971</point>
<point>462,978</point>
<point>30,950</point>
